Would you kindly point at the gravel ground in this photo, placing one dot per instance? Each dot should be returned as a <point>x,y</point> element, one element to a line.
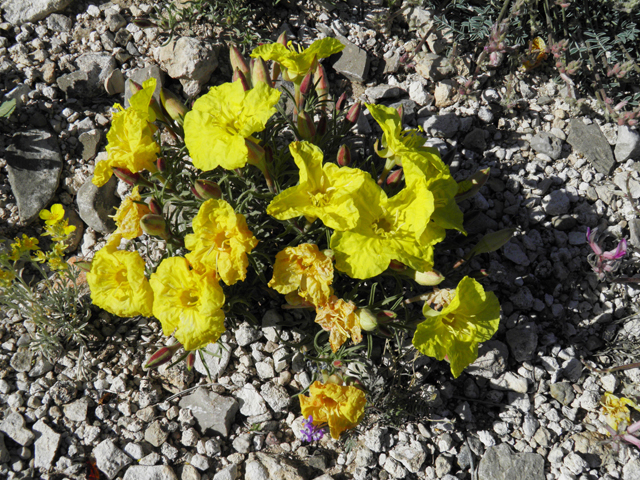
<point>526,409</point>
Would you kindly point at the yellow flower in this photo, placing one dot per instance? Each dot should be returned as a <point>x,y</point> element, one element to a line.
<point>296,64</point>
<point>338,317</point>
<point>339,406</point>
<point>54,216</point>
<point>305,268</point>
<point>117,281</point>
<point>454,332</point>
<point>326,192</point>
<point>130,139</point>
<point>388,229</point>
<point>615,410</point>
<point>6,277</point>
<point>22,246</point>
<point>220,241</point>
<point>128,216</point>
<point>188,302</point>
<point>216,128</point>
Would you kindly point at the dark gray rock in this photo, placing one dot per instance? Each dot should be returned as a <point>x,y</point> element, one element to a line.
<point>90,141</point>
<point>479,223</point>
<point>380,92</point>
<point>96,204</point>
<point>548,144</point>
<point>591,142</point>
<point>475,140</point>
<point>491,361</point>
<point>63,392</point>
<point>34,165</point>
<point>523,341</point>
<point>562,392</point>
<point>443,126</point>
<point>211,411</point>
<point>18,12</point>
<point>5,456</point>
<point>352,62</point>
<point>500,463</point>
<point>89,80</point>
<point>110,459</point>
<point>46,445</point>
<point>59,23</point>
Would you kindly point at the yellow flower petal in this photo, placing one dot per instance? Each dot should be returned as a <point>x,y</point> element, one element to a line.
<point>128,216</point>
<point>338,317</point>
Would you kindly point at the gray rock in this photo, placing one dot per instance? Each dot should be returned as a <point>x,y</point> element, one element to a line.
<point>625,182</point>
<point>591,142</point>
<point>631,471</point>
<point>548,144</point>
<point>93,70</point>
<point>479,223</point>
<point>77,411</point>
<point>556,203</point>
<point>523,341</point>
<point>562,392</point>
<point>276,396</point>
<point>443,126</point>
<point>375,439</point>
<point>250,401</point>
<point>97,204</point>
<point>155,434</point>
<point>114,20</point>
<point>41,367</point>
<point>433,67</point>
<point>21,360</point>
<point>628,144</point>
<point>63,392</point>
<point>59,23</point>
<point>491,361</point>
<point>5,456</point>
<point>110,459</point>
<point>380,92</point>
<point>13,426</point>
<point>485,114</point>
<point>18,12</point>
<point>140,75</point>
<point>142,472</point>
<point>364,457</point>
<point>246,334</point>
<point>46,445</point>
<point>419,94</point>
<point>200,462</point>
<point>475,139</point>
<point>352,61</point>
<point>394,468</point>
<point>260,466</point>
<point>411,456</point>
<point>572,369</point>
<point>242,443</point>
<point>114,83</point>
<point>190,60</point>
<point>216,361</point>
<point>499,463</point>
<point>34,165</point>
<point>514,252</point>
<point>510,381</point>
<point>90,141</point>
<point>227,473</point>
<point>212,411</point>
<point>634,227</point>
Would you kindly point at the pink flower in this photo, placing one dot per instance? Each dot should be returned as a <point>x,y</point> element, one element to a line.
<point>604,262</point>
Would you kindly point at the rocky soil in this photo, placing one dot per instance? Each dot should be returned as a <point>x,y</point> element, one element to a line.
<point>526,409</point>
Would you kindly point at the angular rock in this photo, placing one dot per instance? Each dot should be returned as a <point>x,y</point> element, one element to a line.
<point>352,61</point>
<point>380,92</point>
<point>93,71</point>
<point>433,67</point>
<point>143,472</point>
<point>59,23</point>
<point>46,445</point>
<point>631,471</point>
<point>562,392</point>
<point>491,361</point>
<point>77,411</point>
<point>591,142</point>
<point>500,463</point>
<point>246,334</point>
<point>155,435</point>
<point>411,456</point>
<point>114,83</point>
<point>34,165</point>
<point>212,411</point>
<point>190,60</point>
<point>63,391</point>
<point>445,93</point>
<point>548,144</point>
<point>510,381</point>
<point>475,140</point>
<point>276,396</point>
<point>90,141</point>
<point>250,401</point>
<point>628,144</point>
<point>260,466</point>
<point>96,204</point>
<point>5,456</point>
<point>227,473</point>
<point>13,426</point>
<point>216,361</point>
<point>523,341</point>
<point>18,12</point>
<point>443,126</point>
<point>21,360</point>
<point>556,203</point>
<point>110,459</point>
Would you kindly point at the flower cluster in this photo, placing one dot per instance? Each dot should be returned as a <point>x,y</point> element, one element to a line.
<point>307,224</point>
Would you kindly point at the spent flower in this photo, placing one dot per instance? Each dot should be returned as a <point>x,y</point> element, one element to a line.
<point>602,262</point>
<point>338,317</point>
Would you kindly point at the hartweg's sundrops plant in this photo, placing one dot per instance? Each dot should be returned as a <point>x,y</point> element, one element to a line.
<point>308,223</point>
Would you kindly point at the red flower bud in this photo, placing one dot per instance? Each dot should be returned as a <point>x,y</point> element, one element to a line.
<point>238,62</point>
<point>341,101</point>
<point>155,225</point>
<point>135,87</point>
<point>344,156</point>
<point>196,194</point>
<point>395,178</point>
<point>161,164</point>
<point>354,113</point>
<point>321,128</point>
<point>155,207</point>
<point>400,110</point>
<point>397,266</point>
<point>207,189</point>
<point>162,356</point>
<point>307,83</point>
<point>126,176</point>
<point>173,106</point>
<point>238,75</point>
<point>282,38</point>
<point>322,84</point>
<point>260,72</point>
<point>191,360</point>
<point>306,127</point>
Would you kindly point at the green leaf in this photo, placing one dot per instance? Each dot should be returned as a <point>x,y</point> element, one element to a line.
<point>7,108</point>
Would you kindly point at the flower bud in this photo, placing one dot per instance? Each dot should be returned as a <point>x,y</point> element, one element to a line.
<point>428,279</point>
<point>344,156</point>
<point>282,38</point>
<point>208,189</point>
<point>385,316</point>
<point>367,319</point>
<point>155,207</point>
<point>196,194</point>
<point>238,62</point>
<point>306,127</point>
<point>400,110</point>
<point>395,177</point>
<point>322,85</point>
<point>469,187</point>
<point>126,176</point>
<point>321,128</point>
<point>260,72</point>
<point>238,75</point>
<point>155,225</point>
<point>162,356</point>
<point>256,152</point>
<point>161,164</point>
<point>341,101</point>
<point>354,113</point>
<point>397,266</point>
<point>173,106</point>
<point>135,87</point>
<point>191,360</point>
<point>144,22</point>
<point>305,86</point>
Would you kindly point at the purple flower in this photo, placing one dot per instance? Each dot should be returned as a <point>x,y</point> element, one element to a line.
<point>310,432</point>
<point>604,262</point>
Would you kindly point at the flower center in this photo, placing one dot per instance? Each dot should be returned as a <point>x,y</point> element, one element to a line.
<point>189,298</point>
<point>121,277</point>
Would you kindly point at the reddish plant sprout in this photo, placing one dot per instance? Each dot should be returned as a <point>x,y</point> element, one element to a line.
<point>602,262</point>
<point>625,435</point>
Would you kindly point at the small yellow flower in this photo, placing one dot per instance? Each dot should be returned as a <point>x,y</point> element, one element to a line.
<point>22,246</point>
<point>54,216</point>
<point>188,302</point>
<point>6,277</point>
<point>220,241</point>
<point>615,410</point>
<point>306,269</point>
<point>338,317</point>
<point>339,406</point>
<point>128,216</point>
<point>117,281</point>
<point>130,139</point>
